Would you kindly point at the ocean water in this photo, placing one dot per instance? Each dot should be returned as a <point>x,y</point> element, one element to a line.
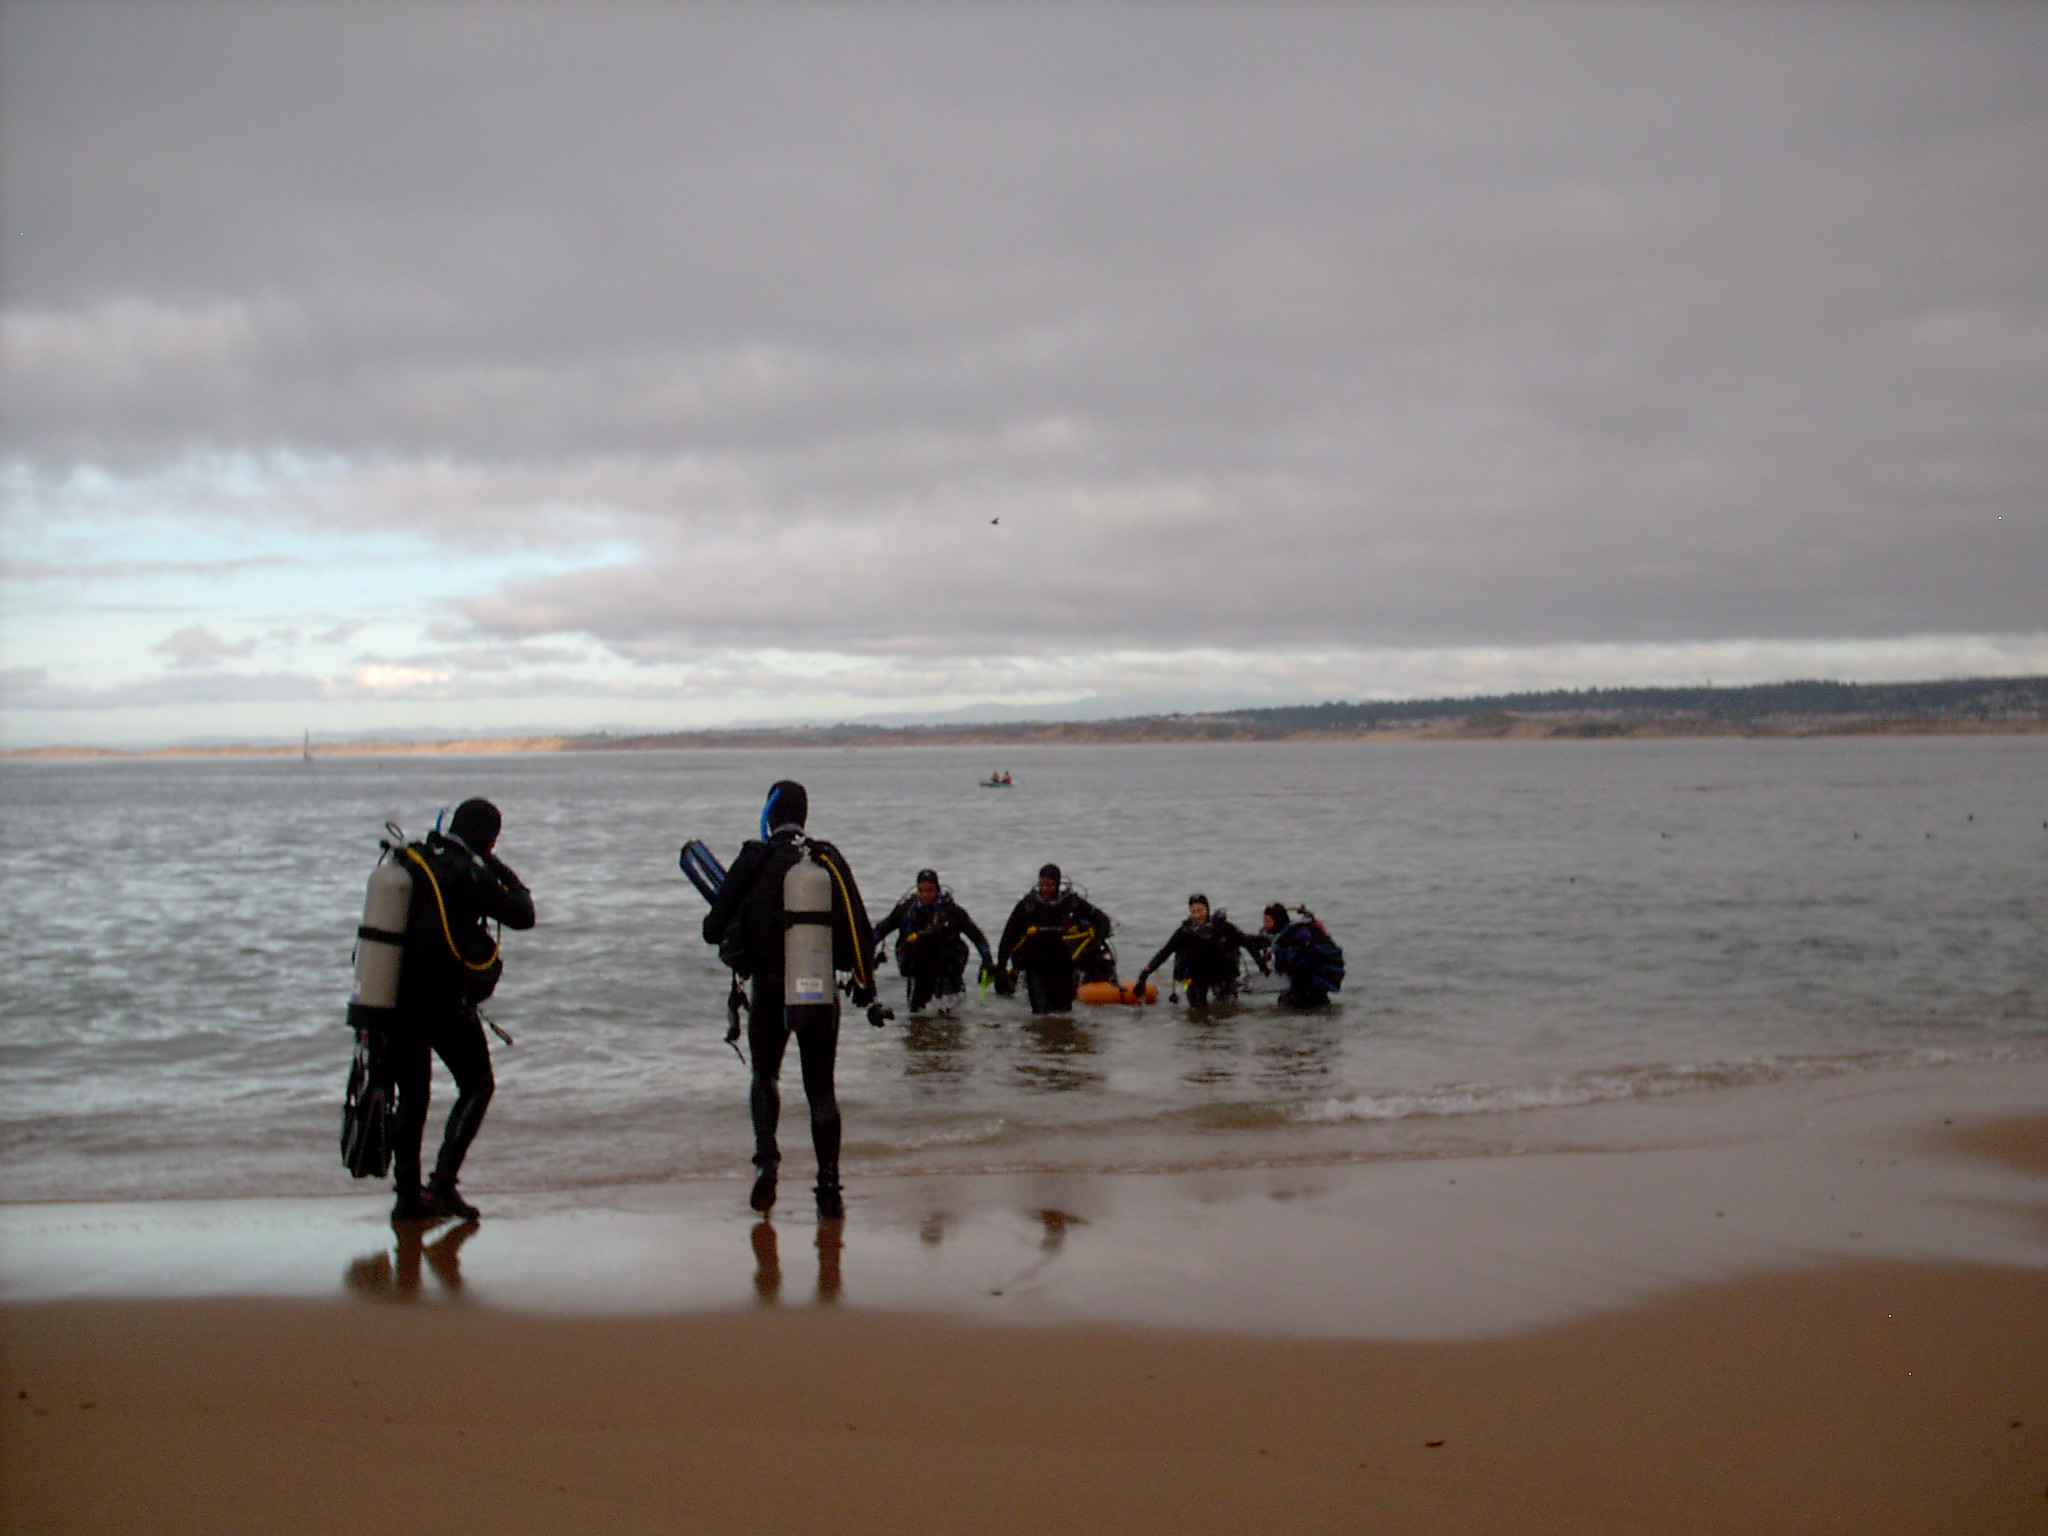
<point>1548,943</point>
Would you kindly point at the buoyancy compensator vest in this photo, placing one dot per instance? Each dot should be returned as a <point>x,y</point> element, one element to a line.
<point>1305,952</point>
<point>467,963</point>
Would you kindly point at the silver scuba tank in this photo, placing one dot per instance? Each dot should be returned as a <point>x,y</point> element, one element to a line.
<point>808,989</point>
<point>380,945</point>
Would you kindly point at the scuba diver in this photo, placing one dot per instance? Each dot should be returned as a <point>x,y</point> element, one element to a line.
<point>1057,940</point>
<point>931,951</point>
<point>451,964</point>
<point>749,924</point>
<point>1204,951</point>
<point>1304,953</point>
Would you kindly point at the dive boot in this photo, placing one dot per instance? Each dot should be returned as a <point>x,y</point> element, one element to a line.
<point>412,1205</point>
<point>446,1200</point>
<point>762,1198</point>
<point>831,1200</point>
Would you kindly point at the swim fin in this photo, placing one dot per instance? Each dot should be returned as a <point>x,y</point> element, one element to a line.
<point>368,1110</point>
<point>703,868</point>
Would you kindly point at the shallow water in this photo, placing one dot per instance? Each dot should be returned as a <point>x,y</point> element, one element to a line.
<point>1527,926</point>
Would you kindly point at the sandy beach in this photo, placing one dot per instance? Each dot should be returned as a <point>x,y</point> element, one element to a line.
<point>1871,1399</point>
<point>1659,1343</point>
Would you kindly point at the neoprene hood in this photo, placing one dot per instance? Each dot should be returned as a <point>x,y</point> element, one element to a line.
<point>476,823</point>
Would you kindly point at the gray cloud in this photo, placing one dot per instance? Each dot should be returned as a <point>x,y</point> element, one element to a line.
<point>198,646</point>
<point>32,689</point>
<point>1262,327</point>
<point>477,658</point>
<point>13,570</point>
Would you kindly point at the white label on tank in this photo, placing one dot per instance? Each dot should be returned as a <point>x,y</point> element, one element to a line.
<point>808,989</point>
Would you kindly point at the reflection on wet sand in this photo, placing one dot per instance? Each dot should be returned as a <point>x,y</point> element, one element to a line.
<point>831,1239</point>
<point>1056,1224</point>
<point>388,1277</point>
<point>1058,1042</point>
<point>767,1264</point>
<point>768,1261</point>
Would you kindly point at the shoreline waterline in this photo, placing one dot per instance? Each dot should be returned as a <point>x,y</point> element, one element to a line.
<point>1923,1166</point>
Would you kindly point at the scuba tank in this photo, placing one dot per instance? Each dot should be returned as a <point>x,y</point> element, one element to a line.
<point>368,1106</point>
<point>380,940</point>
<point>808,988</point>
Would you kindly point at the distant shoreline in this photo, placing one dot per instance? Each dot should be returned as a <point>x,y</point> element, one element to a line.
<point>1983,706</point>
<point>1174,730</point>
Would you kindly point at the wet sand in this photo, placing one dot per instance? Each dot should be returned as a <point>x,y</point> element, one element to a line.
<point>2019,1143</point>
<point>1840,1324</point>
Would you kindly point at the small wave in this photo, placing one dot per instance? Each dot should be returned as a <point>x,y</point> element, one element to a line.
<point>1603,1086</point>
<point>986,1133</point>
<point>1244,1116</point>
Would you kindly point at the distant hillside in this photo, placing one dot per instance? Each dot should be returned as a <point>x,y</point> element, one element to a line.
<point>1967,706</point>
<point>1769,709</point>
<point>1780,706</point>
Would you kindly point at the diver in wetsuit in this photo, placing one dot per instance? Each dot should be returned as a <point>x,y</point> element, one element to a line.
<point>451,964</point>
<point>1204,951</point>
<point>748,910</point>
<point>1303,952</point>
<point>931,950</point>
<point>1057,940</point>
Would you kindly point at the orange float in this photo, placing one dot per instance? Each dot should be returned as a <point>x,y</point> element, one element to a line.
<point>1106,992</point>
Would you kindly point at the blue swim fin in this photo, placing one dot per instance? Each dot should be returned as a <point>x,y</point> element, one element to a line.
<point>703,868</point>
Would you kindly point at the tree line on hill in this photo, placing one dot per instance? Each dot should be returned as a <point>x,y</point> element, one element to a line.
<point>1968,699</point>
<point>1570,711</point>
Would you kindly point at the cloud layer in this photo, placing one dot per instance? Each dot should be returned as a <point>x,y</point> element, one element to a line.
<point>634,351</point>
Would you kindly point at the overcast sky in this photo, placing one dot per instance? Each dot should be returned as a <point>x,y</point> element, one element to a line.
<point>501,367</point>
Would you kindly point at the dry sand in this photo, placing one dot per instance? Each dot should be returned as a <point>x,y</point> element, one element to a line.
<point>1871,1399</point>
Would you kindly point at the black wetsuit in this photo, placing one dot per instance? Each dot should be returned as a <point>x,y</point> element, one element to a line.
<point>932,950</point>
<point>1058,944</point>
<point>437,992</point>
<point>1205,957</point>
<point>750,903</point>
